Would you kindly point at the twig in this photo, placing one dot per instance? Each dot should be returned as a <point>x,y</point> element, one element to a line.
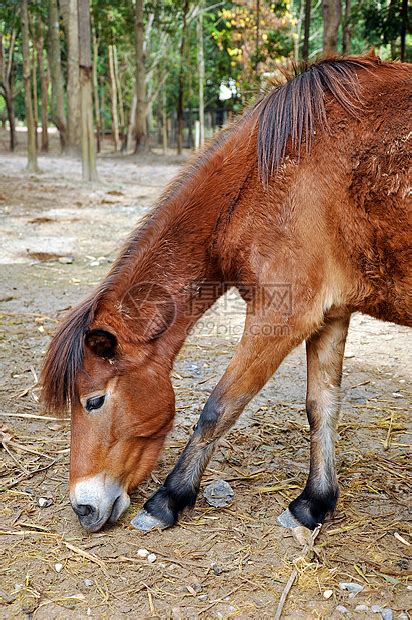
<point>387,441</point>
<point>4,414</point>
<point>295,573</point>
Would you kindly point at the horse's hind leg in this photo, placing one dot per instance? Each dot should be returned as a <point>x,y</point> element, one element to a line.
<point>324,367</point>
<point>254,362</point>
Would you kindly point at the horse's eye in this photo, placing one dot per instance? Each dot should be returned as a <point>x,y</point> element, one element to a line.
<point>95,402</point>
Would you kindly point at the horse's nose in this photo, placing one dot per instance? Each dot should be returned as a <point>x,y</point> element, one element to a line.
<point>83,510</point>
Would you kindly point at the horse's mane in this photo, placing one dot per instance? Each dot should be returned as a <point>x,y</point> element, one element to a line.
<point>288,114</point>
<point>292,112</point>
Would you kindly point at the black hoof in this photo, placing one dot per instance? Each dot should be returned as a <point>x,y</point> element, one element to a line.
<point>310,509</point>
<point>166,505</point>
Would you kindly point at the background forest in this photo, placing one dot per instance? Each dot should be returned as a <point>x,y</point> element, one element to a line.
<point>164,74</point>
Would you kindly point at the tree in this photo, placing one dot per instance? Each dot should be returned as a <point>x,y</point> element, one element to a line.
<point>141,142</point>
<point>70,19</point>
<point>332,11</point>
<point>6,82</point>
<point>58,115</point>
<point>201,73</point>
<point>44,89</point>
<point>31,136</point>
<point>86,98</point>
<point>113,99</point>
<point>181,82</point>
<point>306,30</point>
<point>346,31</point>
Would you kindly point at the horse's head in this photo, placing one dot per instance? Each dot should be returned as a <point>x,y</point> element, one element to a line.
<point>117,382</point>
<point>121,412</point>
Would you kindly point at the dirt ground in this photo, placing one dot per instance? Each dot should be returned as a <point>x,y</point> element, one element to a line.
<point>58,237</point>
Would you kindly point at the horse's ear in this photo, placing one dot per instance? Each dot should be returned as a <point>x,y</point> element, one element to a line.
<point>101,342</point>
<point>371,53</point>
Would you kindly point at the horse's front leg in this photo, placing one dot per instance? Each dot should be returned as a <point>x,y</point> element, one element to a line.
<point>255,360</point>
<point>324,352</point>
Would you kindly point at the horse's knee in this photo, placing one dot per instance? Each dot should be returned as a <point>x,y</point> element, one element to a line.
<point>312,506</point>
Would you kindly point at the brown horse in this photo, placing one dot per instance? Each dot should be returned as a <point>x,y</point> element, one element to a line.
<point>307,193</point>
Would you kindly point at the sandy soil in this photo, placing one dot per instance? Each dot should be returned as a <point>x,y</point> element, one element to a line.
<point>58,237</point>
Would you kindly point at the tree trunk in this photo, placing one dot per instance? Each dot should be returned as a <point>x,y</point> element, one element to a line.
<point>299,23</point>
<point>122,122</point>
<point>257,47</point>
<point>113,99</point>
<point>404,28</point>
<point>201,72</point>
<point>34,84</point>
<point>69,11</point>
<point>6,81</point>
<point>31,138</point>
<point>140,127</point>
<point>86,98</point>
<point>181,83</point>
<point>58,115</point>
<point>44,88</point>
<point>332,11</point>
<point>346,31</point>
<point>306,32</point>
<point>132,123</point>
<point>164,119</point>
<point>97,110</point>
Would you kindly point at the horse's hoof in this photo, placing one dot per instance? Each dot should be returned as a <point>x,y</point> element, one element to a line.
<point>145,522</point>
<point>286,519</point>
<point>300,533</point>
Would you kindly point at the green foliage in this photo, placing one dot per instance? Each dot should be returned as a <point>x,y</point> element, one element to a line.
<point>238,47</point>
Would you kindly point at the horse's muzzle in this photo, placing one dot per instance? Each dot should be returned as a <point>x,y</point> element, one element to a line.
<point>97,500</point>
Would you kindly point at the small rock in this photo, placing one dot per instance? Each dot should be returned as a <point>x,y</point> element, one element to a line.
<point>143,553</point>
<point>342,609</point>
<point>88,582</point>
<point>403,616</point>
<point>376,609</point>
<point>58,568</point>
<point>203,598</point>
<point>94,263</point>
<point>362,607</point>
<point>353,588</point>
<point>218,570</point>
<point>66,260</point>
<point>387,613</point>
<point>44,502</point>
<point>327,594</point>
<point>151,558</point>
<point>397,395</point>
<point>219,493</point>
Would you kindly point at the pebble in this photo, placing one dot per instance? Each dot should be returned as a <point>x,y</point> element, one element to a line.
<point>143,553</point>
<point>327,594</point>
<point>58,568</point>
<point>44,502</point>
<point>361,608</point>
<point>219,493</point>
<point>218,570</point>
<point>88,582</point>
<point>203,598</point>
<point>387,613</point>
<point>342,609</point>
<point>151,558</point>
<point>353,588</point>
<point>66,260</point>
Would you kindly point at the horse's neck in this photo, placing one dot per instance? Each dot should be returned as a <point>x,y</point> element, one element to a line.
<point>172,255</point>
<point>175,250</point>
